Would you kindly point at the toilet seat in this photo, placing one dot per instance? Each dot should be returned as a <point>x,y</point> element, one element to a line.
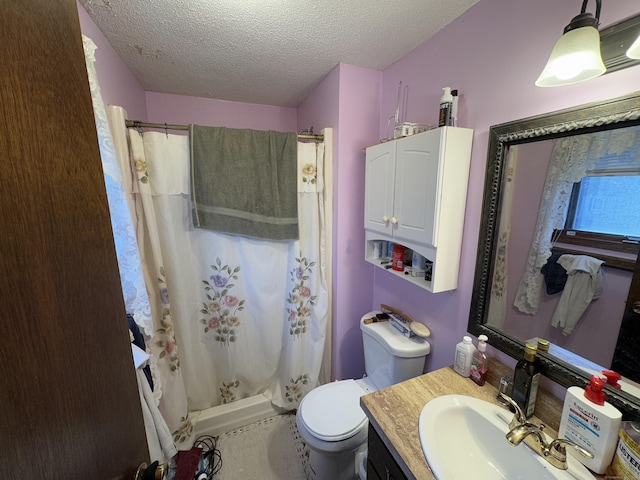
<point>332,411</point>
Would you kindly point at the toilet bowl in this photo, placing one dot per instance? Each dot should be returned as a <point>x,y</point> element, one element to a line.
<point>333,425</point>
<point>329,417</point>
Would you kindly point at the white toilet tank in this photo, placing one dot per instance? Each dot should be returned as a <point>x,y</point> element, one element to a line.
<point>389,356</point>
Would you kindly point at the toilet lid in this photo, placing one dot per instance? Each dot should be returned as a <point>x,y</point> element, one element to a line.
<point>332,412</point>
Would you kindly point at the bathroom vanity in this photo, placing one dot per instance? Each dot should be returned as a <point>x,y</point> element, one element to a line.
<point>394,443</point>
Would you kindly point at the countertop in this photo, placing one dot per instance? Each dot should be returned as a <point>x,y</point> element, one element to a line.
<point>394,412</point>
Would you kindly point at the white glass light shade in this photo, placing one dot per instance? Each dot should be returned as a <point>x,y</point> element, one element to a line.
<point>575,58</point>
<point>634,50</point>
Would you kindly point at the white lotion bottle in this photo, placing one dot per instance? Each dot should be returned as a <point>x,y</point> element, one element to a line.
<point>464,354</point>
<point>591,422</point>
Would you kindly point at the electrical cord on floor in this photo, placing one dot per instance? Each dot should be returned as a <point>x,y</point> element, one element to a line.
<point>211,462</point>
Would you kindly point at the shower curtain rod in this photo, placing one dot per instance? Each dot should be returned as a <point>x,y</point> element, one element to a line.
<point>165,126</point>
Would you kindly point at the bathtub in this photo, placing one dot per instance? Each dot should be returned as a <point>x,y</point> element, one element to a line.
<point>231,416</point>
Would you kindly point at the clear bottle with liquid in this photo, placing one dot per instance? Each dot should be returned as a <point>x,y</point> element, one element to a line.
<point>525,380</point>
<point>479,362</point>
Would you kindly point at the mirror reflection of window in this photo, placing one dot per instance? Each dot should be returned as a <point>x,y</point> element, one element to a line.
<point>603,211</point>
<point>605,201</point>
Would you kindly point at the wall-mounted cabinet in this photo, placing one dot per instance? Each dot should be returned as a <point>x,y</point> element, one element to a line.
<point>415,195</point>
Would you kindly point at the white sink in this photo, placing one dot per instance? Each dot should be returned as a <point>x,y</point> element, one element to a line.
<point>464,438</point>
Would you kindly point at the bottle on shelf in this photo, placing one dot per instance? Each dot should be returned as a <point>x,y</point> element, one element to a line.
<point>446,102</point>
<point>453,121</point>
<point>397,262</point>
<point>525,380</point>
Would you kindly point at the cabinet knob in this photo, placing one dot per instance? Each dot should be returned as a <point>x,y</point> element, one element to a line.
<point>385,219</point>
<point>394,220</point>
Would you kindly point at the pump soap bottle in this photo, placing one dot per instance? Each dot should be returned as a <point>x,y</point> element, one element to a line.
<point>591,422</point>
<point>525,380</point>
<point>464,354</point>
<point>480,362</point>
<point>446,102</point>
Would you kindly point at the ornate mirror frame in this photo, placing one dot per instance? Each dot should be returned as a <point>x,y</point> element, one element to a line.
<point>615,113</point>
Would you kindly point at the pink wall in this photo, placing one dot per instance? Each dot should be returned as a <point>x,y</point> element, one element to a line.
<point>359,111</point>
<point>117,85</point>
<point>493,55</point>
<point>348,100</point>
<point>180,109</point>
<point>321,108</point>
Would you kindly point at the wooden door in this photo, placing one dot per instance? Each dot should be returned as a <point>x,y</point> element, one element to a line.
<point>68,396</point>
<point>626,358</point>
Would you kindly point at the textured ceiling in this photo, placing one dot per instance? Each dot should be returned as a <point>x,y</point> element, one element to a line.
<point>272,52</point>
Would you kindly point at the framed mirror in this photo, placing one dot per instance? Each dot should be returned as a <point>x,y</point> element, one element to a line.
<point>532,147</point>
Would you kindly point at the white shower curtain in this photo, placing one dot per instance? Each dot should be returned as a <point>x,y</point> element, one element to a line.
<point>249,316</point>
<point>165,411</point>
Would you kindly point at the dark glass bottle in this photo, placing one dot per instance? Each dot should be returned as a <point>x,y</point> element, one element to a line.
<point>525,380</point>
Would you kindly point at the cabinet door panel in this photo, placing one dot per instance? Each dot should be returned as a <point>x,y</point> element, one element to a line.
<point>379,179</point>
<point>416,187</point>
<point>380,462</point>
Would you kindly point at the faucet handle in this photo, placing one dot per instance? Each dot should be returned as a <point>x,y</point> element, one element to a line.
<point>558,450</point>
<point>520,417</point>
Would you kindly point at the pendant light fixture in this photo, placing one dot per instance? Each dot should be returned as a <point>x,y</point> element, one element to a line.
<point>634,50</point>
<point>576,56</point>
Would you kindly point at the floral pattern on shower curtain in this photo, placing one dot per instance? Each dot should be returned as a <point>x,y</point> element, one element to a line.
<point>300,299</point>
<point>249,315</point>
<point>163,345</point>
<point>222,310</point>
<point>147,302</point>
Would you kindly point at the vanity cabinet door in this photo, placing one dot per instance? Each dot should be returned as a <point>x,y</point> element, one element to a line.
<point>380,463</point>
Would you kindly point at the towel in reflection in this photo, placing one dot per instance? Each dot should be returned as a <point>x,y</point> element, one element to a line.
<point>584,284</point>
<point>555,275</point>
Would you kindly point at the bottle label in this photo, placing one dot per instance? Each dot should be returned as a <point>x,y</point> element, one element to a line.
<point>461,361</point>
<point>627,460</point>
<point>478,371</point>
<point>445,114</point>
<point>533,392</point>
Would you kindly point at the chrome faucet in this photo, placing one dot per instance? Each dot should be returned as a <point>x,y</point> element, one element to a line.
<point>554,452</point>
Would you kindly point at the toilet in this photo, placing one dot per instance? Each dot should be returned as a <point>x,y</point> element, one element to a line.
<point>330,419</point>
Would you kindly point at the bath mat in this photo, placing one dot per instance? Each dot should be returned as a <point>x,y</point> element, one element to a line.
<point>270,449</point>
